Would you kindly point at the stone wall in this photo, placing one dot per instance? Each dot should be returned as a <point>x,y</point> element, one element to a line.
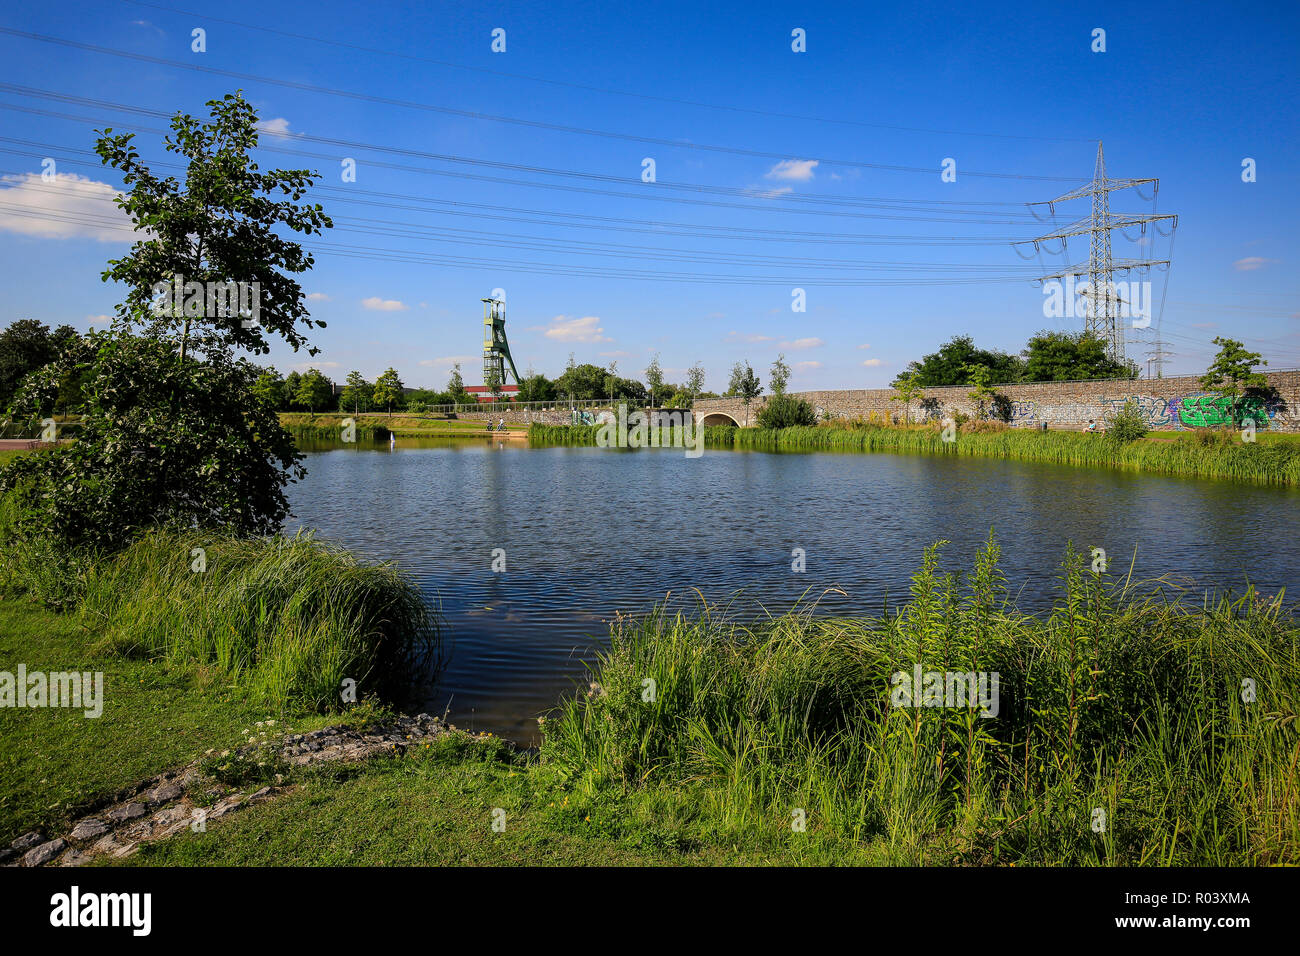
<point>1167,404</point>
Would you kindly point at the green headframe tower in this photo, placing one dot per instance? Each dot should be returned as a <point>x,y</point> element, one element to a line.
<point>496,350</point>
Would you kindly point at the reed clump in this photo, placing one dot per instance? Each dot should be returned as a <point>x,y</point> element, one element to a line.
<point>1130,728</point>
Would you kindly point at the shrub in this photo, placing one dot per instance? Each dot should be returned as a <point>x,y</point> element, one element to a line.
<point>786,411</point>
<point>1127,425</point>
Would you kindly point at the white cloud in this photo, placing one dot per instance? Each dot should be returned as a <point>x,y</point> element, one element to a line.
<point>447,361</point>
<point>806,366</point>
<point>734,336</point>
<point>865,346</point>
<point>565,328</point>
<point>873,363</point>
<point>799,170</point>
<point>99,319</point>
<point>773,193</point>
<point>799,344</point>
<point>66,206</point>
<point>1251,263</point>
<point>376,304</point>
<point>317,297</point>
<point>617,353</point>
<point>278,127</point>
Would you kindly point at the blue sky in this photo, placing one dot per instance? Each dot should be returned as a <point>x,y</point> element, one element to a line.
<point>595,261</point>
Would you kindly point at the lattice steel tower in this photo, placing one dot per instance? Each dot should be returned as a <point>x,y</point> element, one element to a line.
<point>1102,309</point>
<point>496,350</point>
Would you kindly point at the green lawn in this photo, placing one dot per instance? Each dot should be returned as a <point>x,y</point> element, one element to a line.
<point>155,718</point>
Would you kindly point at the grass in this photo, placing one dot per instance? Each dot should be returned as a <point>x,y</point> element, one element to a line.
<point>290,619</point>
<point>1272,459</point>
<point>376,426</point>
<point>1115,703</point>
<point>156,716</point>
<point>704,739</point>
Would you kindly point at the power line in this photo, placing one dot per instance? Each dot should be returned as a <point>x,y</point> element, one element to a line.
<point>599,89</point>
<point>476,115</point>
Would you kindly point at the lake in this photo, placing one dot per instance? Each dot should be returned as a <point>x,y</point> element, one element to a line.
<point>591,532</point>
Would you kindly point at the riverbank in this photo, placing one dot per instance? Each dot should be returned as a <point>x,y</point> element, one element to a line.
<point>1124,729</point>
<point>378,426</point>
<point>1271,459</point>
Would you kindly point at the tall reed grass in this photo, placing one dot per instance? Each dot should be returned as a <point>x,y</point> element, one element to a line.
<point>290,618</point>
<point>1122,736</point>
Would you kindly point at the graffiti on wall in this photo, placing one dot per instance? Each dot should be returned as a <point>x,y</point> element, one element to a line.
<point>1161,414</point>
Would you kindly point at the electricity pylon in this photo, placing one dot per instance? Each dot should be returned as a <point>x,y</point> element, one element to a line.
<point>1101,313</point>
<point>496,350</point>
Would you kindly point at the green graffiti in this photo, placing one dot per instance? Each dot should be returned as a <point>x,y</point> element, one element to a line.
<point>1206,411</point>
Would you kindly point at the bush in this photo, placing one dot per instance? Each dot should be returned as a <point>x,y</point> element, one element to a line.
<point>786,411</point>
<point>1127,425</point>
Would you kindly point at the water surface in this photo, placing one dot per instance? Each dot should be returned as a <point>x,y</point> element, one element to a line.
<point>590,532</point>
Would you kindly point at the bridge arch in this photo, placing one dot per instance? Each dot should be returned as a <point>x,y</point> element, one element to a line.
<point>718,418</point>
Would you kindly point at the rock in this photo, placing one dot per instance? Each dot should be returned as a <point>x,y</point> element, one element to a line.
<point>170,815</point>
<point>107,845</point>
<point>45,852</point>
<point>27,841</point>
<point>225,806</point>
<point>260,793</point>
<point>131,811</point>
<point>164,793</point>
<point>76,858</point>
<point>89,829</point>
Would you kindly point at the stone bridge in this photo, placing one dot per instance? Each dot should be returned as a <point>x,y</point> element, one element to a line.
<point>1167,404</point>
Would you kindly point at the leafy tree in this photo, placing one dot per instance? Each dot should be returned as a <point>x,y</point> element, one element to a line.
<point>695,381</point>
<point>222,224</point>
<point>949,365</point>
<point>582,382</point>
<point>269,387</point>
<point>27,345</point>
<point>493,382</point>
<point>388,390</point>
<point>981,392</point>
<point>744,385</point>
<point>1064,357</point>
<point>654,378</point>
<point>175,432</point>
<point>456,387</point>
<point>611,381</point>
<point>909,390</point>
<point>356,393</point>
<point>314,391</point>
<point>536,388</point>
<point>780,375</point>
<point>1233,377</point>
<point>164,443</point>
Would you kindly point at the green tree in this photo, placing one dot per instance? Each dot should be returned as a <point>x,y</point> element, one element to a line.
<point>1071,357</point>
<point>981,393</point>
<point>1233,377</point>
<point>786,411</point>
<point>456,386</point>
<point>356,393</point>
<point>388,390</point>
<point>948,366</point>
<point>909,389</point>
<point>695,381</point>
<point>25,346</point>
<point>492,380</point>
<point>780,375</point>
<point>582,382</point>
<point>167,443</point>
<point>536,388</point>
<point>222,224</point>
<point>269,387</point>
<point>314,391</point>
<point>744,385</point>
<point>654,378</point>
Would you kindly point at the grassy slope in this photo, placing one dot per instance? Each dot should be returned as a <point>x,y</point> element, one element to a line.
<point>399,424</point>
<point>412,811</point>
<point>155,717</point>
